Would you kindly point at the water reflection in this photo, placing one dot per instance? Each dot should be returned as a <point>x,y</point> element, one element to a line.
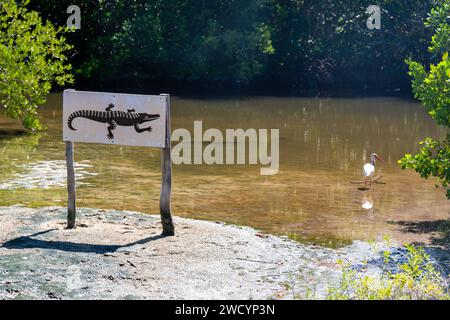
<point>367,201</point>
<point>323,146</point>
<point>45,175</point>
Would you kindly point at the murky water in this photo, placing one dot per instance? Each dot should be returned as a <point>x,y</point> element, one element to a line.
<point>323,146</point>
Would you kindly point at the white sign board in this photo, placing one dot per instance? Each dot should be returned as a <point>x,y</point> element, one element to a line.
<point>113,118</point>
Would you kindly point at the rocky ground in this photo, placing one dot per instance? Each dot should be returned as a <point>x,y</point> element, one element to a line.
<point>120,255</point>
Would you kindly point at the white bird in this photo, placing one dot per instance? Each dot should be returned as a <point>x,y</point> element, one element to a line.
<point>369,169</point>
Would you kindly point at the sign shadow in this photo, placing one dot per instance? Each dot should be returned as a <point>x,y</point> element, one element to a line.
<point>29,242</point>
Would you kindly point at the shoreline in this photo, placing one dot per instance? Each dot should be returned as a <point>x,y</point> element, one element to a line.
<point>121,255</point>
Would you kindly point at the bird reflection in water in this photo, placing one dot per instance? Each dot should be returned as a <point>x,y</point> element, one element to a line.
<point>367,202</point>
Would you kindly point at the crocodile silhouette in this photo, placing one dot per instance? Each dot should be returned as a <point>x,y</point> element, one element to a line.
<point>115,118</point>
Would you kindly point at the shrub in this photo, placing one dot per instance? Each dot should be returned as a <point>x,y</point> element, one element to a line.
<point>32,58</point>
<point>414,279</point>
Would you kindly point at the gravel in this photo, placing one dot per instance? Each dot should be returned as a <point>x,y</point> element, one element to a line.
<point>120,255</point>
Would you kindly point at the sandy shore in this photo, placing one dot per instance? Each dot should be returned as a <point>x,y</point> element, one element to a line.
<point>120,255</point>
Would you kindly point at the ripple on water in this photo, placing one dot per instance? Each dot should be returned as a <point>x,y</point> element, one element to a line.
<point>46,175</point>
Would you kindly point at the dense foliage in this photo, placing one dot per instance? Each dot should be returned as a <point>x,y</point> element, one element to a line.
<point>31,59</point>
<point>432,87</point>
<point>263,44</point>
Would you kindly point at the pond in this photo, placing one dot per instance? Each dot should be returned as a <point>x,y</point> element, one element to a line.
<point>314,198</point>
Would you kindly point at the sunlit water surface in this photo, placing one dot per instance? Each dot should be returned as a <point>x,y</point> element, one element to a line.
<point>323,146</point>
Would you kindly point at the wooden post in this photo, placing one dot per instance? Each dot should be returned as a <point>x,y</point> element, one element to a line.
<point>71,203</point>
<point>166,169</point>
